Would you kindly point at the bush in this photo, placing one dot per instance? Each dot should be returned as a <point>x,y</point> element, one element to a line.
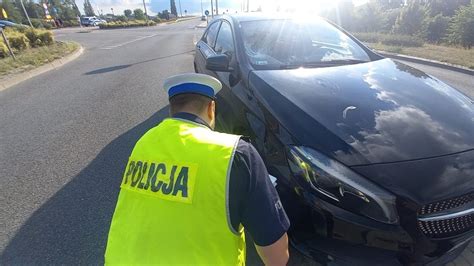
<point>49,25</point>
<point>3,50</point>
<point>32,36</point>
<point>39,37</point>
<point>37,23</point>
<point>122,18</point>
<point>389,39</point>
<point>41,23</point>
<point>18,41</point>
<point>70,23</point>
<point>157,20</point>
<point>46,37</point>
<point>130,23</point>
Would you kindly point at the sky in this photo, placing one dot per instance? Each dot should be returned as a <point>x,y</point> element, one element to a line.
<point>193,7</point>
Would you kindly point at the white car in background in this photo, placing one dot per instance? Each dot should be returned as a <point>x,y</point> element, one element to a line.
<point>91,21</point>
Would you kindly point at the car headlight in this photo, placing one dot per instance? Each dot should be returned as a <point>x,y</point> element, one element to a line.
<point>342,186</point>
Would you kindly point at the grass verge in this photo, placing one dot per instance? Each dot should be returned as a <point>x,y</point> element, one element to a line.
<point>34,57</point>
<point>448,54</point>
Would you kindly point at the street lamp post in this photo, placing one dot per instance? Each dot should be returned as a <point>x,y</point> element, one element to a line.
<point>112,9</point>
<point>180,12</point>
<point>26,14</point>
<point>217,7</point>
<point>202,11</point>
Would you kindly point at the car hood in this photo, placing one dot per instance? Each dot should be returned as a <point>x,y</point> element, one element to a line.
<point>375,112</point>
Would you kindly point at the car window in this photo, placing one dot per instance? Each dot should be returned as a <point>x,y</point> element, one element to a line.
<point>272,44</point>
<point>225,41</point>
<point>210,36</point>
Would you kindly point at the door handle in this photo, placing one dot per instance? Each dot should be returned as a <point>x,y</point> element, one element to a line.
<point>250,94</point>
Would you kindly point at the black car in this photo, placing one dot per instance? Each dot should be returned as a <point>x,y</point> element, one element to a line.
<point>374,159</point>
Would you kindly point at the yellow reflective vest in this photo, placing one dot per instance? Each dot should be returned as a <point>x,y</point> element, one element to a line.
<point>173,204</point>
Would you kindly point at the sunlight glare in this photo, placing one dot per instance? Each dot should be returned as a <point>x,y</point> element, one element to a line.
<point>308,7</point>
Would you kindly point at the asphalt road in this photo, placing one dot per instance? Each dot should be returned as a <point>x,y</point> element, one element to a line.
<point>65,137</point>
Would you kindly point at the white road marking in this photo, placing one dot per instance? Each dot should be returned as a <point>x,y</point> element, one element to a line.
<point>125,43</point>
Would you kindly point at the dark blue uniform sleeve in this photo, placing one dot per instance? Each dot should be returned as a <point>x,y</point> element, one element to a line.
<point>253,200</point>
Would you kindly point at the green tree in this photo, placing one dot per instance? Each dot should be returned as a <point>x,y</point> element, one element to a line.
<point>76,8</point>
<point>165,14</point>
<point>445,7</point>
<point>367,18</point>
<point>34,10</point>
<point>387,4</point>
<point>461,29</point>
<point>13,12</point>
<point>63,9</point>
<point>435,28</point>
<point>139,14</point>
<point>342,14</point>
<point>173,8</point>
<point>88,10</point>
<point>127,13</point>
<point>389,17</point>
<point>410,20</point>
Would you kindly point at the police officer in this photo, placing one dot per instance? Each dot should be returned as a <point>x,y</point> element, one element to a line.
<point>188,191</point>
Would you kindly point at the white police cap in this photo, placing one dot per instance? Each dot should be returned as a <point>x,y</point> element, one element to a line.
<point>192,83</point>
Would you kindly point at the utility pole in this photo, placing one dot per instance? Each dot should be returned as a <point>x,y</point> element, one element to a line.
<point>7,43</point>
<point>212,9</point>
<point>26,14</point>
<point>180,12</point>
<point>202,11</point>
<point>112,9</point>
<point>217,7</point>
<point>146,14</point>
<point>248,5</point>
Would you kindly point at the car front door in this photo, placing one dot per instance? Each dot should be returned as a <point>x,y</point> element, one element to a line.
<point>229,109</point>
<point>204,48</point>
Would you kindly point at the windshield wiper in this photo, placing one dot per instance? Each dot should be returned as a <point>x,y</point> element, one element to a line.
<point>343,61</point>
<point>323,63</point>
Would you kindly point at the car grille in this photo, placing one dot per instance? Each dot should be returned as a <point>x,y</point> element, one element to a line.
<point>452,226</point>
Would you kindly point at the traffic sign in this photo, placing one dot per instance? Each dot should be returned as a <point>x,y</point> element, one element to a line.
<point>4,14</point>
<point>206,12</point>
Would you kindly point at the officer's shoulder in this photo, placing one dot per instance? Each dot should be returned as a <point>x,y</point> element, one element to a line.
<point>245,148</point>
<point>147,137</point>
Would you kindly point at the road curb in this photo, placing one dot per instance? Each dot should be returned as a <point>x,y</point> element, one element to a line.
<point>20,77</point>
<point>184,19</point>
<point>429,62</point>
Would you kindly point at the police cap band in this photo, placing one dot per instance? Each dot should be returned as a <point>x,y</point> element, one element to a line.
<point>192,83</point>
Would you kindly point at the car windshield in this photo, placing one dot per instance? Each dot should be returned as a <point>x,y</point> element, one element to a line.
<point>285,43</point>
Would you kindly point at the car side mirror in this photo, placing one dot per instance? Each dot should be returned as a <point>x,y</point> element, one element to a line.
<point>218,62</point>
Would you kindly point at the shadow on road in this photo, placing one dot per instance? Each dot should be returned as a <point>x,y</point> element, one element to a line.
<point>107,69</point>
<point>71,228</point>
<point>113,68</point>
